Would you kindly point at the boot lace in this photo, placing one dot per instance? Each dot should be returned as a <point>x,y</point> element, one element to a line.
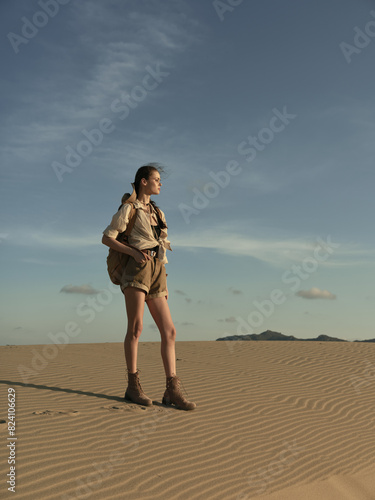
<point>179,381</point>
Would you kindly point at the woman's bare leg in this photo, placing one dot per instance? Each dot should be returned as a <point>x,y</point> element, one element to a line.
<point>161,314</point>
<point>135,305</point>
<point>159,310</point>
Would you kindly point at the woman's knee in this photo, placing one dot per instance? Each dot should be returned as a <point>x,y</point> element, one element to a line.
<point>134,330</point>
<point>169,334</point>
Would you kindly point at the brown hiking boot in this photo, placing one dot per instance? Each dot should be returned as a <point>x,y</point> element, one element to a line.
<point>134,392</point>
<point>173,395</point>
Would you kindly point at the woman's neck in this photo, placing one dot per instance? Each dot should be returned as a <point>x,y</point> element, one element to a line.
<point>145,199</point>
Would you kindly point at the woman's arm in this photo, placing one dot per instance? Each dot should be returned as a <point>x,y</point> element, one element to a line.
<point>138,255</point>
<point>119,247</point>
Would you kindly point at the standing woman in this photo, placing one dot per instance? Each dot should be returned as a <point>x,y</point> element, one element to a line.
<point>144,280</point>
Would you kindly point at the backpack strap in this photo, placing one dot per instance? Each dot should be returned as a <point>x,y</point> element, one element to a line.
<point>132,217</point>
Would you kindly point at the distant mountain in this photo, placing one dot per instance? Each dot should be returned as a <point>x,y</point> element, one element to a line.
<point>326,338</point>
<point>270,335</point>
<point>370,340</point>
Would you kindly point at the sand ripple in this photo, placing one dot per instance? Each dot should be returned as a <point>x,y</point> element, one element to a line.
<point>273,420</point>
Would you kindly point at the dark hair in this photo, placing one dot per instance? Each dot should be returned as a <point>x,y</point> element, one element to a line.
<point>144,173</point>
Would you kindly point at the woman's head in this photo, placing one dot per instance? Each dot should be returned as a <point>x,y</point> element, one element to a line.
<point>147,178</point>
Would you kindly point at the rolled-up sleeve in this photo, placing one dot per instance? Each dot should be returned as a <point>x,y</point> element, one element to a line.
<point>119,222</point>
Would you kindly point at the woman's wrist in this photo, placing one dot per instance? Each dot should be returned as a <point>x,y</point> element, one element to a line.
<point>135,252</point>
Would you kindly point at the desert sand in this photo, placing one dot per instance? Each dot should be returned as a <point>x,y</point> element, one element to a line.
<point>274,420</point>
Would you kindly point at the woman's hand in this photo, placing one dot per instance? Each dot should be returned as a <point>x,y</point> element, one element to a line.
<point>140,256</point>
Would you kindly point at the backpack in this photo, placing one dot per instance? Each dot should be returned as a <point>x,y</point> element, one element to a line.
<point>116,261</point>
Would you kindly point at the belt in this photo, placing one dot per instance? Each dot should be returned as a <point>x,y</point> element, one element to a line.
<point>151,252</point>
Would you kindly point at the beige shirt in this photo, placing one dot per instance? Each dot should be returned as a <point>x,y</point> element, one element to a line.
<point>141,235</point>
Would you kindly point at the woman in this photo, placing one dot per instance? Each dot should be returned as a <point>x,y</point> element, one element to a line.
<point>144,280</point>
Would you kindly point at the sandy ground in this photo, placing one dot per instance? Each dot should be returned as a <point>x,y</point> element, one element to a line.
<point>274,420</point>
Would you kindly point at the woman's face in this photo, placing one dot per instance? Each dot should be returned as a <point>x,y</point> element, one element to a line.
<point>153,184</point>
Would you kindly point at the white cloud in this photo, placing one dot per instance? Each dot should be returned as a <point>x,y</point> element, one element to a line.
<point>276,252</point>
<point>316,293</point>
<point>42,239</point>
<point>121,42</point>
<point>83,289</point>
<point>109,46</point>
<point>230,319</point>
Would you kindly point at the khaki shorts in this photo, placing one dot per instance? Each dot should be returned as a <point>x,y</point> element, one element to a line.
<point>149,276</point>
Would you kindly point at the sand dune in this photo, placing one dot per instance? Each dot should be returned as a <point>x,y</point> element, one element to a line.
<point>274,420</point>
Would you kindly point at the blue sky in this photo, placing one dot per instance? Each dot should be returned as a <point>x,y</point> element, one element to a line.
<point>279,95</point>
